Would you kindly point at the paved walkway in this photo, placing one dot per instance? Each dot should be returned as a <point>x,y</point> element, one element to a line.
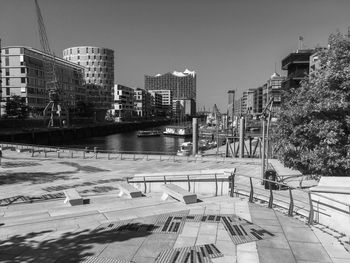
<point>118,229</point>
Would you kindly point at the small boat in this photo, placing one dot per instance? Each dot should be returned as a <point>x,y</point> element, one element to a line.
<point>148,133</point>
<point>185,149</point>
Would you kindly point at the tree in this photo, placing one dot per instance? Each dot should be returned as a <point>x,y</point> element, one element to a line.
<point>16,107</point>
<point>313,129</point>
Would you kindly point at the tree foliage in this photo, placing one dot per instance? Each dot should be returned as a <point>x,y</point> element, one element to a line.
<point>313,130</point>
<point>16,107</point>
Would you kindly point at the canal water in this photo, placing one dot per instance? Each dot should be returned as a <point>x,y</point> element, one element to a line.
<point>129,142</point>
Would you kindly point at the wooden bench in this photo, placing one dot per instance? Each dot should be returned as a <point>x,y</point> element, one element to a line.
<point>331,189</point>
<point>73,197</point>
<point>128,189</point>
<point>178,193</point>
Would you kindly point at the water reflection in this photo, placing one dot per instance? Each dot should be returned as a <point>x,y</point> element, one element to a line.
<point>128,141</point>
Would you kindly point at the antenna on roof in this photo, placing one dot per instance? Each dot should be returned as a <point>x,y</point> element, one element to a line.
<point>301,43</point>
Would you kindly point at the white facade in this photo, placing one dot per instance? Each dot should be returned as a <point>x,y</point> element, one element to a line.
<point>123,106</point>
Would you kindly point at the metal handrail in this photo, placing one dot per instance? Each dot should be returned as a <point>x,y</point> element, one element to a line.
<point>272,197</point>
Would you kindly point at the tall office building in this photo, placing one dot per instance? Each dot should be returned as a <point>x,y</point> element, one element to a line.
<point>181,84</point>
<point>23,75</point>
<point>231,102</point>
<point>99,73</point>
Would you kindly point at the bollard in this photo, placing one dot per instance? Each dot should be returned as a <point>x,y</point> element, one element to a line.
<point>95,152</point>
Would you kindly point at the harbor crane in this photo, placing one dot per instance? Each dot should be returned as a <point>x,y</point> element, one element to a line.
<point>55,108</point>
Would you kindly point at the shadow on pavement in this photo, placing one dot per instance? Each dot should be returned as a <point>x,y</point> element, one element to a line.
<point>33,177</point>
<point>84,168</point>
<point>68,247</point>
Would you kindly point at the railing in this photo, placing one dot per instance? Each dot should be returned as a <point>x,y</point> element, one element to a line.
<point>95,153</point>
<point>294,201</point>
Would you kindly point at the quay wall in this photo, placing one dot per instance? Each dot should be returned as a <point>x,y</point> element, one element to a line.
<point>58,136</point>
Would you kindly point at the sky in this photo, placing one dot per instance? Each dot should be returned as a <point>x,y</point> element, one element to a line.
<point>231,44</point>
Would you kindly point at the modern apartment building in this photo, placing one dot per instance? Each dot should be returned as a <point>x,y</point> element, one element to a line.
<point>123,106</point>
<point>167,101</point>
<point>142,103</point>
<point>250,101</point>
<point>181,84</point>
<point>99,73</point>
<point>297,66</point>
<point>156,104</point>
<point>258,101</point>
<point>23,74</point>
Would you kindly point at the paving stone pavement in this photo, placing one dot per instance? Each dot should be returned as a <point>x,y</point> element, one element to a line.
<point>51,231</point>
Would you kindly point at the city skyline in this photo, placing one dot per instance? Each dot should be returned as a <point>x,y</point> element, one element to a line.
<point>232,45</point>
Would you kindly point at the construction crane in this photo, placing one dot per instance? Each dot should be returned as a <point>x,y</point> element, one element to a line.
<point>54,108</point>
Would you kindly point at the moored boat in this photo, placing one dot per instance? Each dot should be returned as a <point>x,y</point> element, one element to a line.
<point>182,131</point>
<point>185,149</point>
<point>148,133</point>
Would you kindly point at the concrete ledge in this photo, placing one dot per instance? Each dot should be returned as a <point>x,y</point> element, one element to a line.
<point>178,193</point>
<point>73,197</point>
<point>128,189</point>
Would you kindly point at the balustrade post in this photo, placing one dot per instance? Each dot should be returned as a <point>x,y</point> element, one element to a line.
<point>251,195</point>
<point>164,179</point>
<point>271,195</point>
<point>216,185</point>
<point>311,213</point>
<point>145,185</point>
<point>291,203</point>
<point>189,183</point>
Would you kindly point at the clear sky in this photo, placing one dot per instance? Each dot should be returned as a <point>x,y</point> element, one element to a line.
<point>231,44</point>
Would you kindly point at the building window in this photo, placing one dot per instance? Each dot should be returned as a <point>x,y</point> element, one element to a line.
<point>23,70</point>
<point>87,62</point>
<point>88,56</point>
<point>87,50</point>
<point>23,80</point>
<point>78,57</point>
<point>7,81</point>
<point>78,63</point>
<point>78,51</point>
<point>7,61</point>
<point>7,72</point>
<point>94,57</point>
<point>6,51</point>
<point>8,91</point>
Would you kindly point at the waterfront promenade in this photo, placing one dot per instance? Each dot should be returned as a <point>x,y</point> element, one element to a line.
<point>110,228</point>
